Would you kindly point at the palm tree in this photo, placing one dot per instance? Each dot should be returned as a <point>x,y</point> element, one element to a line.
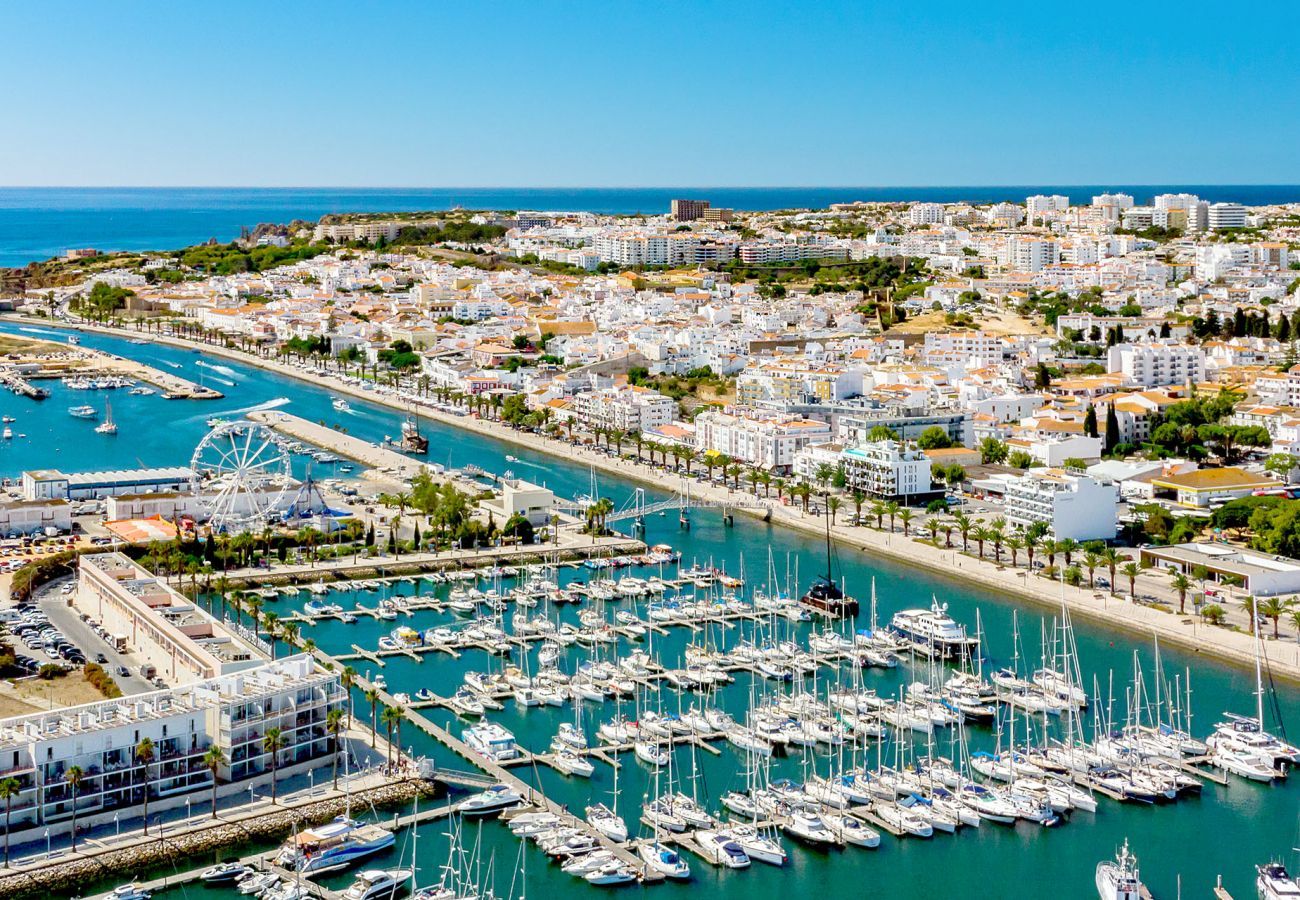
<point>1051,547</point>
<point>1182,584</point>
<point>964,526</point>
<point>372,697</point>
<point>906,515</point>
<point>1031,546</point>
<point>334,725</point>
<point>878,513</point>
<point>9,789</point>
<point>144,753</point>
<point>734,472</point>
<point>1015,544</point>
<point>1273,608</point>
<point>946,528</point>
<point>981,534</point>
<point>805,491</point>
<point>1067,546</point>
<point>392,715</point>
<point>347,679</point>
<point>273,743</point>
<point>1110,558</point>
<point>859,497</point>
<point>1091,560</point>
<point>73,777</point>
<point>1293,616</point>
<point>214,759</point>
<point>891,510</point>
<point>833,504</point>
<point>1130,571</point>
<point>998,534</point>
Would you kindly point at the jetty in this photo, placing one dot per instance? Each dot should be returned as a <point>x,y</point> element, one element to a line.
<point>382,459</point>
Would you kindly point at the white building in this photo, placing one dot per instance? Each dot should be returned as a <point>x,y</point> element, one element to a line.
<point>628,408</point>
<point>1226,215</point>
<point>925,214</point>
<point>1031,254</point>
<point>767,440</point>
<point>1040,204</point>
<point>232,712</point>
<point>888,470</point>
<point>1157,363</point>
<point>1069,503</point>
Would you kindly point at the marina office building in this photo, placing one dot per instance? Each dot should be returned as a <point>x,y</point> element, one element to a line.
<point>231,711</point>
<point>162,626</point>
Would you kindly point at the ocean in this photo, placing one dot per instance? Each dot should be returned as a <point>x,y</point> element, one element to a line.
<point>39,222</point>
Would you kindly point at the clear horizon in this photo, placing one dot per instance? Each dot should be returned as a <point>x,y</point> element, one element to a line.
<point>731,92</point>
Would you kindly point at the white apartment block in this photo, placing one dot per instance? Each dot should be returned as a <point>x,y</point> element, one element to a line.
<point>1007,215</point>
<point>925,214</point>
<point>1031,254</point>
<point>625,409</point>
<point>1226,215</point>
<point>1070,504</point>
<point>232,712</point>
<point>1157,363</point>
<point>1040,204</point>
<point>162,626</point>
<point>977,348</point>
<point>764,252</point>
<point>768,441</point>
<point>342,232</point>
<point>888,470</point>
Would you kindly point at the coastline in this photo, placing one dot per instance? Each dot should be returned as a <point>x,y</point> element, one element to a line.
<point>1185,632</point>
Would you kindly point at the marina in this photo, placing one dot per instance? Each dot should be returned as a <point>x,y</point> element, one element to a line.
<point>767,561</point>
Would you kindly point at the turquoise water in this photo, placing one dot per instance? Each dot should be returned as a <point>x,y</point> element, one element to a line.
<point>39,222</point>
<point>1225,831</point>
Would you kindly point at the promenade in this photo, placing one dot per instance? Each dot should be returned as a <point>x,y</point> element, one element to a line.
<point>1186,632</point>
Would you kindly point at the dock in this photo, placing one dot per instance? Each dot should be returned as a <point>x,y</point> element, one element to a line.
<point>374,456</point>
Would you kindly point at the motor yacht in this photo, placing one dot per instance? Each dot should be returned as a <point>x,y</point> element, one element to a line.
<point>1119,880</point>
<point>378,884</point>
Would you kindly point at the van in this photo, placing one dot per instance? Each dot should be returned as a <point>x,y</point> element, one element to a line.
<point>147,671</point>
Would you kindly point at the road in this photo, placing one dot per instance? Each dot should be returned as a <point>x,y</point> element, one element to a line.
<point>54,603</point>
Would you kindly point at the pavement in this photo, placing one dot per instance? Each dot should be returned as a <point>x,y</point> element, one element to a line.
<point>64,617</point>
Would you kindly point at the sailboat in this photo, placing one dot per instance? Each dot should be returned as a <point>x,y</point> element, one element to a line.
<point>108,426</point>
<point>1242,746</point>
<point>412,440</point>
<point>824,595</point>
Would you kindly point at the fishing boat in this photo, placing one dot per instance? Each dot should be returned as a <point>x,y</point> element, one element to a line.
<point>1119,880</point>
<point>335,845</point>
<point>108,426</point>
<point>824,595</point>
<point>377,884</point>
<point>83,412</point>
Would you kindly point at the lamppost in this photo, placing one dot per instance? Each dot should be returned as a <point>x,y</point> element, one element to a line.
<point>311,782</point>
<point>187,811</point>
<point>117,827</point>
<point>47,843</point>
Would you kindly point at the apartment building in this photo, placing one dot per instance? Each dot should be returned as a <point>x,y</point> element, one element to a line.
<point>232,712</point>
<point>1040,204</point>
<point>162,626</point>
<point>767,440</point>
<point>1031,254</point>
<point>1157,363</point>
<point>1005,215</point>
<point>628,408</point>
<point>975,349</point>
<point>889,470</point>
<point>766,252</point>
<point>1226,215</point>
<point>341,232</point>
<point>784,382</point>
<point>1070,503</point>
<point>925,214</point>
<point>688,210</point>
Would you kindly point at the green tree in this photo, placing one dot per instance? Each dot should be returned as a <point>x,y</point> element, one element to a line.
<point>1112,428</point>
<point>74,776</point>
<point>372,697</point>
<point>1090,421</point>
<point>992,451</point>
<point>214,759</point>
<point>391,717</point>
<point>334,725</point>
<point>144,754</point>
<point>1130,571</point>
<point>881,433</point>
<point>934,438</point>
<point>9,789</point>
<point>273,742</point>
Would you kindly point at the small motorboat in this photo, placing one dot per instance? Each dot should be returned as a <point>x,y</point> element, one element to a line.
<point>228,871</point>
<point>129,892</point>
<point>378,884</point>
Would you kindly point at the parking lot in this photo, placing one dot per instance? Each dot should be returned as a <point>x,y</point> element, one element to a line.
<point>52,600</point>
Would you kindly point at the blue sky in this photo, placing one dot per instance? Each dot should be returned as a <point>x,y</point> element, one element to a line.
<point>648,93</point>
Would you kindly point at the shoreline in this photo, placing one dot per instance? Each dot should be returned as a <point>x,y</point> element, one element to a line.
<point>1185,632</point>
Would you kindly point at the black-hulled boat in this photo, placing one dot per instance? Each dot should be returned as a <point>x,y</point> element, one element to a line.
<point>824,595</point>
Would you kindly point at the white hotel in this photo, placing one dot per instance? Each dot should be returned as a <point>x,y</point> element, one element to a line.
<point>888,470</point>
<point>1071,505</point>
<point>232,712</point>
<point>625,409</point>
<point>1157,363</point>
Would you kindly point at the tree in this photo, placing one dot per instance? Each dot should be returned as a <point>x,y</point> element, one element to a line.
<point>144,754</point>
<point>372,697</point>
<point>1272,608</point>
<point>1281,465</point>
<point>1182,584</point>
<point>1090,421</point>
<point>906,515</point>
<point>1130,571</point>
<point>881,433</point>
<point>981,535</point>
<point>214,759</point>
<point>891,510</point>
<point>964,526</point>
<point>74,776</point>
<point>1042,377</point>
<point>391,716</point>
<point>1112,428</point>
<point>992,451</point>
<point>1214,613</point>
<point>934,438</point>
<point>1110,558</point>
<point>334,725</point>
<point>834,504</point>
<point>9,789</point>
<point>273,743</point>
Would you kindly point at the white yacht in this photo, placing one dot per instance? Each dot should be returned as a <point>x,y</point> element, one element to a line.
<point>933,632</point>
<point>607,822</point>
<point>378,884</point>
<point>1119,880</point>
<point>495,799</point>
<point>341,405</point>
<point>335,845</point>
<point>664,860</point>
<point>1275,883</point>
<point>493,741</point>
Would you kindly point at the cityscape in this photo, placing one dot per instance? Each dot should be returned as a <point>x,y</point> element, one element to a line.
<point>360,543</point>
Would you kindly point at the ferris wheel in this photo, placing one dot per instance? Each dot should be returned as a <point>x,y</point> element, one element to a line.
<point>243,475</point>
